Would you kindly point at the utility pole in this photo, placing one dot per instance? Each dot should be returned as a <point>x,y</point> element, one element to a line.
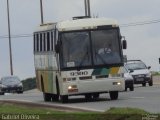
<point>9,36</point>
<point>87,8</point>
<point>41,9</point>
<point>85,5</point>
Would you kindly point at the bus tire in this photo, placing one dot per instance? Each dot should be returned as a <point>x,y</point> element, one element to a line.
<point>58,91</point>
<point>113,95</point>
<point>64,98</point>
<point>47,97</point>
<point>55,97</point>
<point>20,92</point>
<point>125,88</point>
<point>1,93</point>
<point>96,96</point>
<point>131,88</point>
<point>88,97</point>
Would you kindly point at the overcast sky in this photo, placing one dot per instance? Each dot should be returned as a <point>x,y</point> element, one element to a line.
<point>143,40</point>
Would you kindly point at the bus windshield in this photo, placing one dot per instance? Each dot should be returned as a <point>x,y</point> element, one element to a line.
<point>76,49</point>
<point>90,48</point>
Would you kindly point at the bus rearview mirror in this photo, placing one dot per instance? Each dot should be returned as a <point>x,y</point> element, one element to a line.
<point>124,44</point>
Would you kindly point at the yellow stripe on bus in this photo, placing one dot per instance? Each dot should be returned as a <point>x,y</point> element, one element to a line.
<point>114,70</point>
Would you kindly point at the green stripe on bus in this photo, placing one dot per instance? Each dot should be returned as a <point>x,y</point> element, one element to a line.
<point>105,71</point>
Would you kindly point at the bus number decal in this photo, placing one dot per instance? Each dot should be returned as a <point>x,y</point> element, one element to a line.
<point>79,73</point>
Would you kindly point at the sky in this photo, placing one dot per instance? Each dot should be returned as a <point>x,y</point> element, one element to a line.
<point>143,40</point>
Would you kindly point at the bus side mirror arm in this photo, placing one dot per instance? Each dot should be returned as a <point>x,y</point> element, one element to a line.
<point>57,47</point>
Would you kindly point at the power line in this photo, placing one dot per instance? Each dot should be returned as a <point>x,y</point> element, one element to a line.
<point>16,36</point>
<point>140,23</point>
<point>121,25</point>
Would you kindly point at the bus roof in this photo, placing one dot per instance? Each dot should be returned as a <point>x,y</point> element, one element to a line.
<point>78,24</point>
<point>46,27</point>
<point>88,23</point>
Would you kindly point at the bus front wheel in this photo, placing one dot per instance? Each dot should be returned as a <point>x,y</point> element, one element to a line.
<point>113,95</point>
<point>88,97</point>
<point>96,96</point>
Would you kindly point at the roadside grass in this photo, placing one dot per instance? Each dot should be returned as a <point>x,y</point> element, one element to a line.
<point>155,73</point>
<point>17,109</point>
<point>126,111</point>
<point>53,114</point>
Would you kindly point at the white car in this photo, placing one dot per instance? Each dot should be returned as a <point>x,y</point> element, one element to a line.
<point>129,81</point>
<point>139,71</point>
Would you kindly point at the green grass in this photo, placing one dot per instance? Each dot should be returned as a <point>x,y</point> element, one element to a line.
<point>155,73</point>
<point>10,108</point>
<point>29,84</point>
<point>126,111</point>
<point>51,114</point>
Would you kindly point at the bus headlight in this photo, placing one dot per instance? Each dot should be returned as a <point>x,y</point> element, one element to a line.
<point>69,87</point>
<point>117,83</point>
<point>72,88</point>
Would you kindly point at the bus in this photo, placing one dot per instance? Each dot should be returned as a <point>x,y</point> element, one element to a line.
<point>79,57</point>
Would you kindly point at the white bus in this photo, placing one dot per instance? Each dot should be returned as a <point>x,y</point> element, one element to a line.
<point>79,57</point>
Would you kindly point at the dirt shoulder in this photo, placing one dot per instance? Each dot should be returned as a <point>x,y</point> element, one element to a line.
<point>156,80</point>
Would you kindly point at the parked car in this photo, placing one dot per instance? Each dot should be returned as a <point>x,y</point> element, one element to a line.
<point>139,71</point>
<point>10,84</point>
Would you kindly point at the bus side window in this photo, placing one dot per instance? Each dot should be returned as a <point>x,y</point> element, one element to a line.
<point>34,44</point>
<point>37,44</point>
<point>44,42</point>
<point>50,35</point>
<point>52,41</point>
<point>48,41</point>
<point>40,41</point>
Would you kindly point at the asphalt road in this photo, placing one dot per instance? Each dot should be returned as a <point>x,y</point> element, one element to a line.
<point>147,98</point>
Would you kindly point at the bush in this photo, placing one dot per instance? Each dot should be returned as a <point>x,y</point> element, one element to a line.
<point>29,84</point>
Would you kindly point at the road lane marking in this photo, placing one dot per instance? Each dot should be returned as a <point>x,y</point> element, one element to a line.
<point>137,97</point>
